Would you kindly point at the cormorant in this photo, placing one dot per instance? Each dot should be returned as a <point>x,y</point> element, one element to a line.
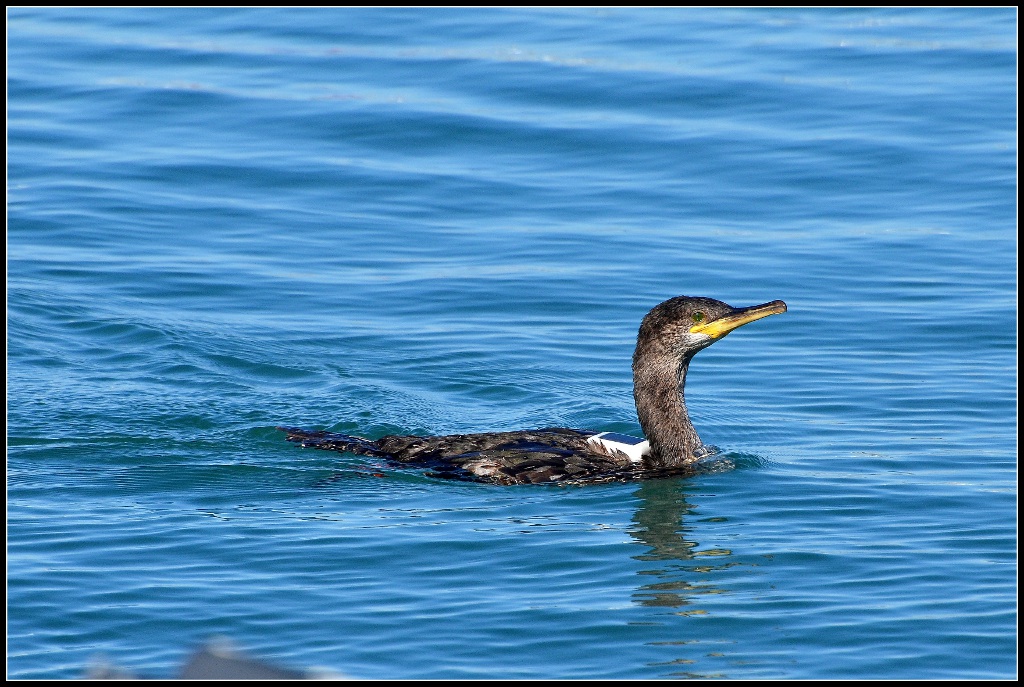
<point>670,334</point>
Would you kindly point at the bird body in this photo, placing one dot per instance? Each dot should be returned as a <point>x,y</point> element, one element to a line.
<point>669,336</point>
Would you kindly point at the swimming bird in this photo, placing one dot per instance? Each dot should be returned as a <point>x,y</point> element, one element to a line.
<point>670,335</point>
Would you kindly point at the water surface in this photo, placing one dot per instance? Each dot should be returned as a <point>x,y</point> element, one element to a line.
<point>431,221</point>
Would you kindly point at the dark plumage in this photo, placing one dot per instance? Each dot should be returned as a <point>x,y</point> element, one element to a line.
<point>669,336</point>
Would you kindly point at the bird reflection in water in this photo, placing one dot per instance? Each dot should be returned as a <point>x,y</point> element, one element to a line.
<point>659,524</point>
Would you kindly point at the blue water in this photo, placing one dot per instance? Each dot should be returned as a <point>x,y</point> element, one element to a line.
<point>434,221</point>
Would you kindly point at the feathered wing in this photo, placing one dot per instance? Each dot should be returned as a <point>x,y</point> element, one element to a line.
<point>523,457</point>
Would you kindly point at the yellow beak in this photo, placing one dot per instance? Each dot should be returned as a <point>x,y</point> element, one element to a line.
<point>737,318</point>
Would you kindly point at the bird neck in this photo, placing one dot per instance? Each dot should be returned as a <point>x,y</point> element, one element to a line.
<point>658,379</point>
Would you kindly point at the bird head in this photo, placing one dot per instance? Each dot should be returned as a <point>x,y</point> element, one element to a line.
<point>687,324</point>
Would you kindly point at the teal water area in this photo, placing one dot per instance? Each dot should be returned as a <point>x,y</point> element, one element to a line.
<point>442,220</point>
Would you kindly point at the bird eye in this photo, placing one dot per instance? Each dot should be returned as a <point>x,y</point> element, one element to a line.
<point>698,317</point>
